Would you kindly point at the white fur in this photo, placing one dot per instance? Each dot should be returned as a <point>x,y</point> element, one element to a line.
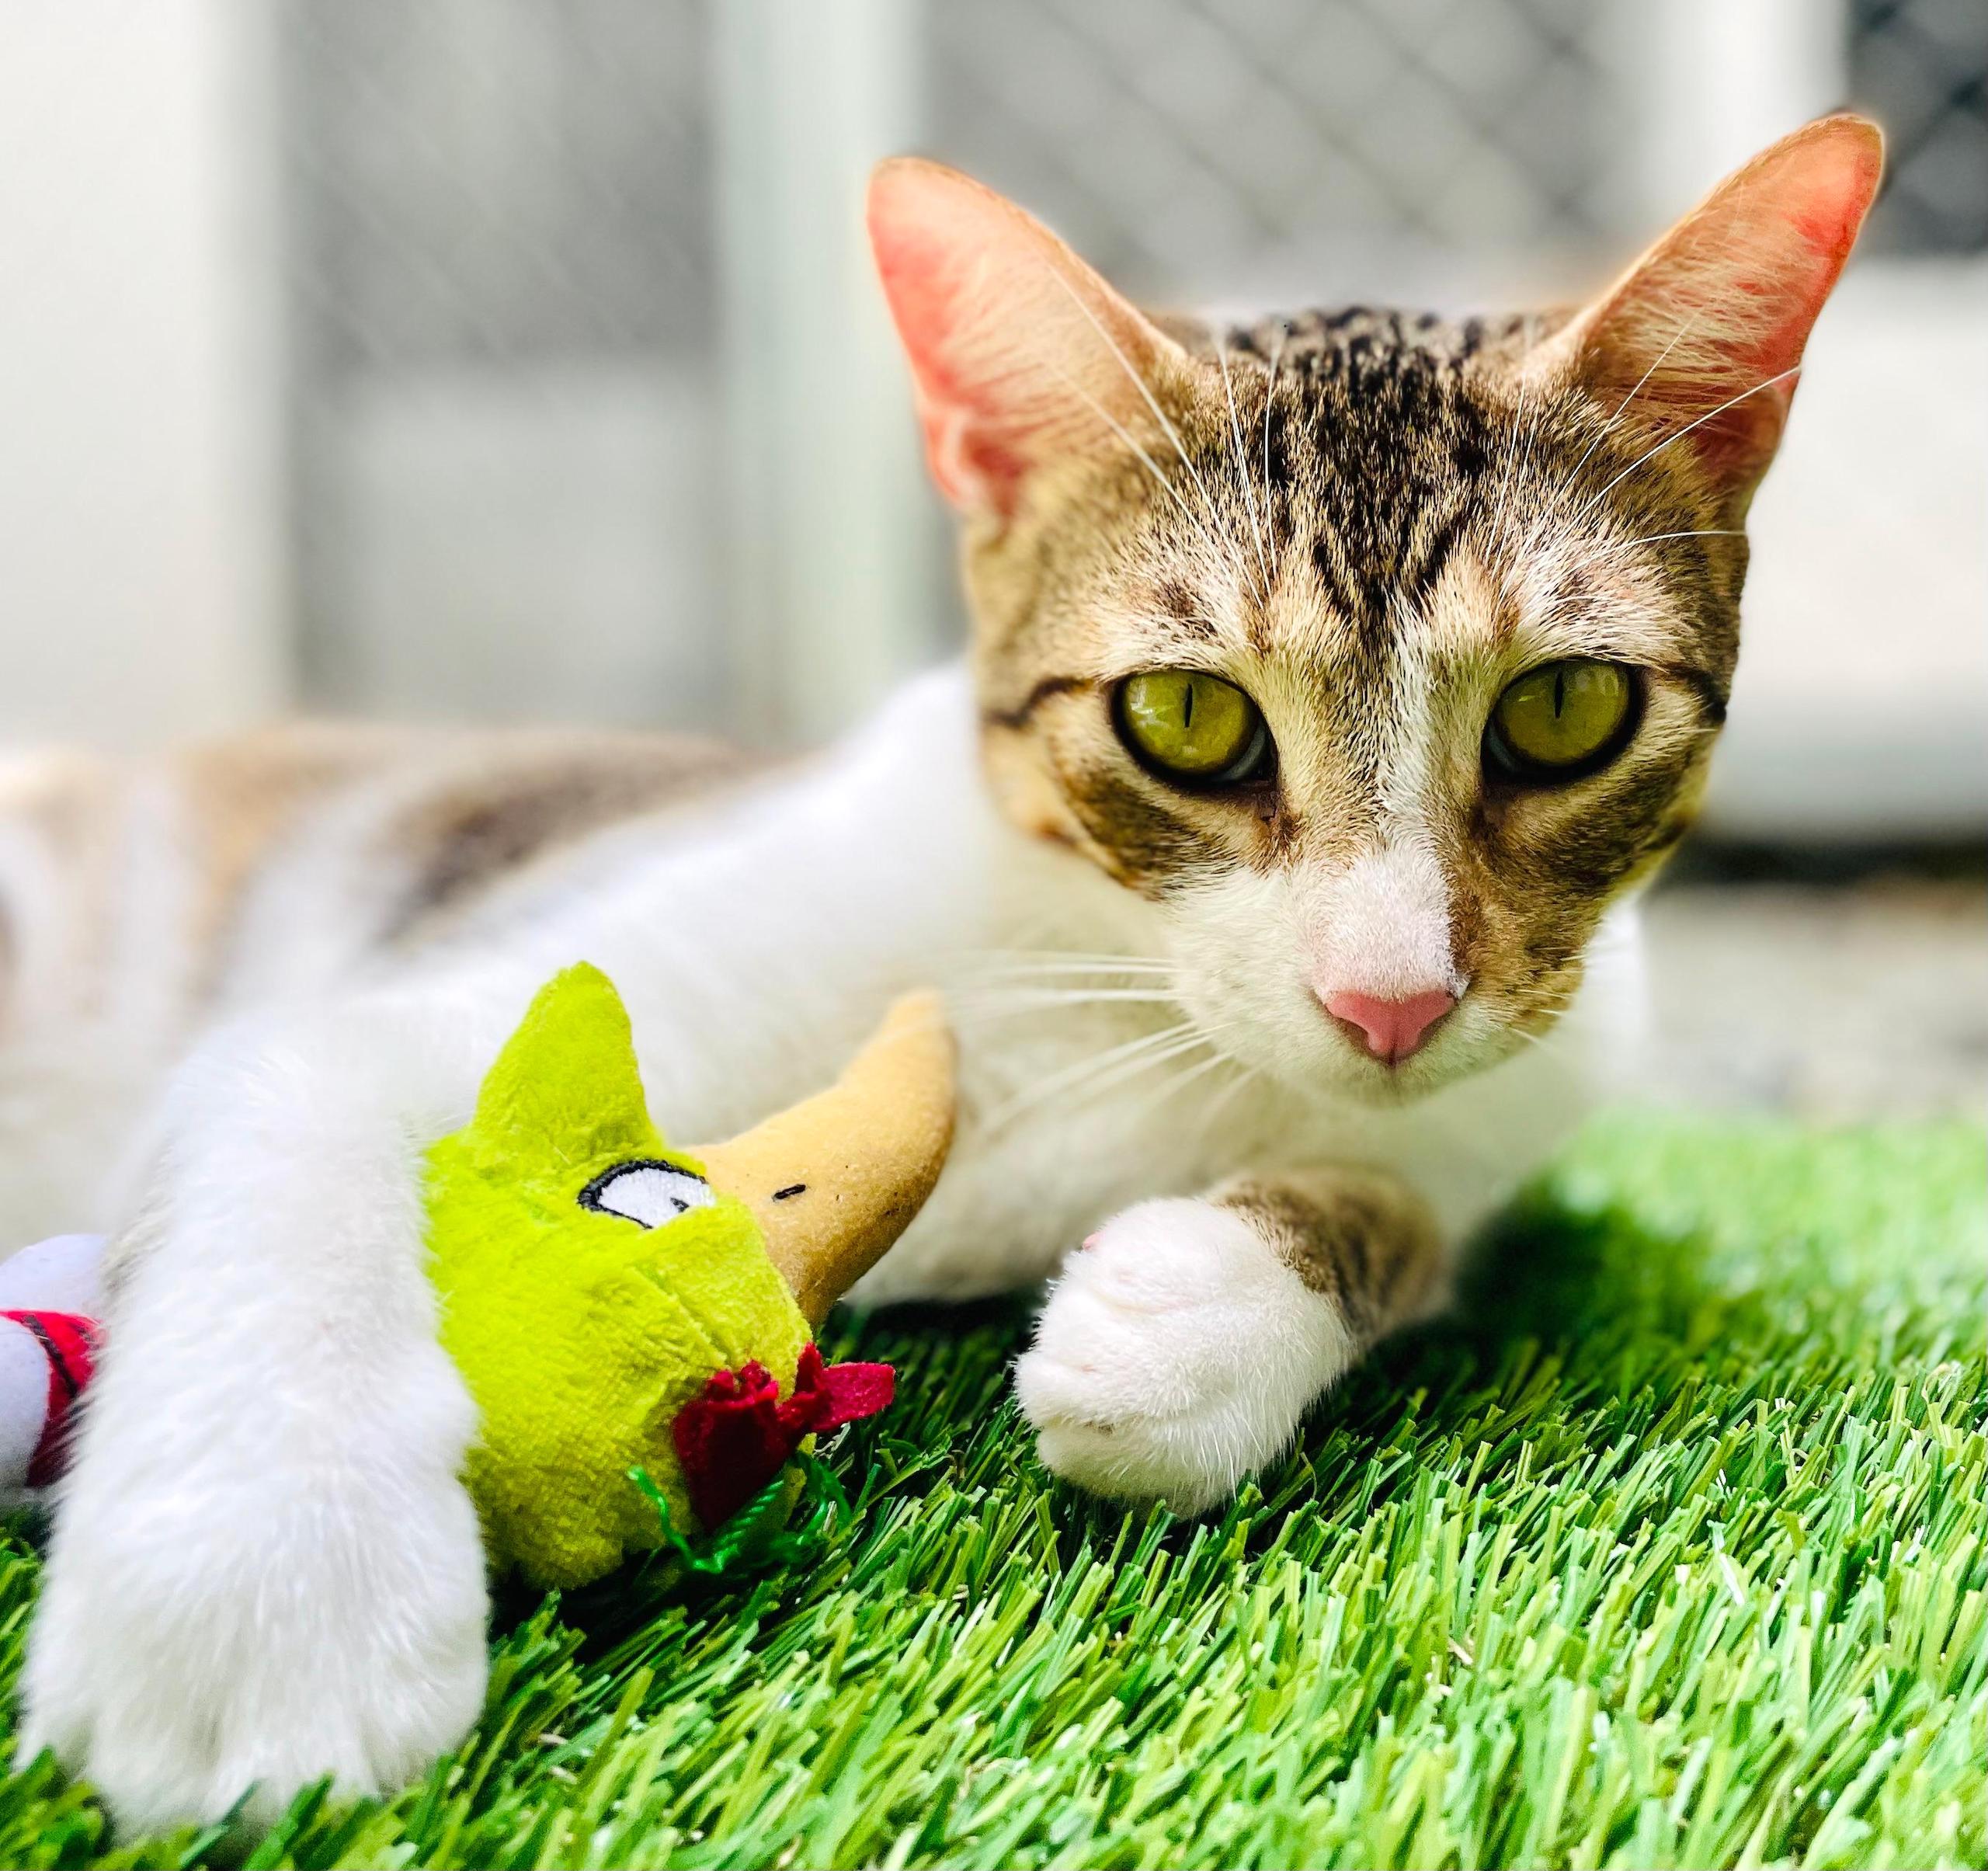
<point>264,1568</point>
<point>97,967</point>
<point>1382,925</point>
<point>1176,1355</point>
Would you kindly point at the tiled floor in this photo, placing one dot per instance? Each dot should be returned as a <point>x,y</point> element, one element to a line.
<point>1865,1000</point>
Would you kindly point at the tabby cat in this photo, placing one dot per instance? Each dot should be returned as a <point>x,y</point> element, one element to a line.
<point>1336,679</point>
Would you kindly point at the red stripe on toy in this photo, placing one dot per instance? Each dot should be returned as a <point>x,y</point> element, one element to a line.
<point>69,1340</point>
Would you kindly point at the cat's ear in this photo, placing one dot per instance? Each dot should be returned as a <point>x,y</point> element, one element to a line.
<point>1702,337</point>
<point>566,1088</point>
<point>1020,353</point>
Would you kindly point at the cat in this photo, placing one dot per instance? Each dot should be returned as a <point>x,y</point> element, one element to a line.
<point>1335,682</point>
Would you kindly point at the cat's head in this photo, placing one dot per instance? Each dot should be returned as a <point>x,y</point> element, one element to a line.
<point>1380,653</point>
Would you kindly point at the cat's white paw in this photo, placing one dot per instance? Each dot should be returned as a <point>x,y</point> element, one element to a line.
<point>189,1654</point>
<point>1176,1355</point>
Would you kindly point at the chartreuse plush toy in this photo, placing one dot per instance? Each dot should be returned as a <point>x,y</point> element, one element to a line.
<point>634,1322</point>
<point>615,1305</point>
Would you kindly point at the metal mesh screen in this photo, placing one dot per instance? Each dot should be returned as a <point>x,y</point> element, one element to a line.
<point>497,177</point>
<point>1921,68</point>
<point>1178,139</point>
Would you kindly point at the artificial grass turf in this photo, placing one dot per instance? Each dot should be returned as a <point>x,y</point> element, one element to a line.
<point>1670,1551</point>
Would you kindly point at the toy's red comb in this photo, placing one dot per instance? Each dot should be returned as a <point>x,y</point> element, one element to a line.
<point>734,1437</point>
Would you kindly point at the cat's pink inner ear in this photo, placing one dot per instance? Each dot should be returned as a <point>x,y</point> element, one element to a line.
<point>1019,352</point>
<point>1702,337</point>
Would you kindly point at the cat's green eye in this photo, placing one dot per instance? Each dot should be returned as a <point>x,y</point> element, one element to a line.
<point>1561,719</point>
<point>1194,726</point>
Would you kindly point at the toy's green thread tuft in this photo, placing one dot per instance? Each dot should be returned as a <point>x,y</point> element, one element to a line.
<point>765,1532</point>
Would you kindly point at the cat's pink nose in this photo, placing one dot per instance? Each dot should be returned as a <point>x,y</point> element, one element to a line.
<point>1392,1029</point>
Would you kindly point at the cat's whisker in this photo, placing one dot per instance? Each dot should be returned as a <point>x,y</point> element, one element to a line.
<point>1553,1004</point>
<point>1122,965</point>
<point>1511,455</point>
<point>1203,527</point>
<point>1053,992</point>
<point>1099,1069</point>
<point>1766,383</point>
<point>1608,428</point>
<point>996,1005</point>
<point>1080,964</point>
<point>1243,466</point>
<point>1270,401</point>
<point>1036,952</point>
<point>1137,1046</point>
<point>1515,559</point>
<point>1246,1075</point>
<point>1090,1079</point>
<point>1050,995</point>
<point>1159,415</point>
<point>1614,550</point>
<point>1133,1069</point>
<point>975,1022</point>
<point>1178,1082</point>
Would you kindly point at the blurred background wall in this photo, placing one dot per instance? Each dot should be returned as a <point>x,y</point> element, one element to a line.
<point>513,359</point>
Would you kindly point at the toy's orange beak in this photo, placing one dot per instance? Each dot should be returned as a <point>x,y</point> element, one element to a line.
<point>835,1179</point>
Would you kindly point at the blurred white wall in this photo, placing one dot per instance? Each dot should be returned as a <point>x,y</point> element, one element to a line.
<point>141,522</point>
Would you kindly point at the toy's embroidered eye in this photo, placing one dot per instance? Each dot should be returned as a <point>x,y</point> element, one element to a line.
<point>647,1193</point>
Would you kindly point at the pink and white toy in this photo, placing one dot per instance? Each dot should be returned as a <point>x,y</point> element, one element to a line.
<point>51,1295</point>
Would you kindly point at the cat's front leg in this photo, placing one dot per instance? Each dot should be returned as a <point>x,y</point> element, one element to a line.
<point>264,1566</point>
<point>1184,1344</point>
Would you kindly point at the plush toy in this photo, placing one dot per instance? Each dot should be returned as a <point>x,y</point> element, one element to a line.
<point>633,1322</point>
<point>49,1297</point>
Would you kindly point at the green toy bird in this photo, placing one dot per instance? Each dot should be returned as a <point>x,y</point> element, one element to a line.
<point>615,1305</point>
